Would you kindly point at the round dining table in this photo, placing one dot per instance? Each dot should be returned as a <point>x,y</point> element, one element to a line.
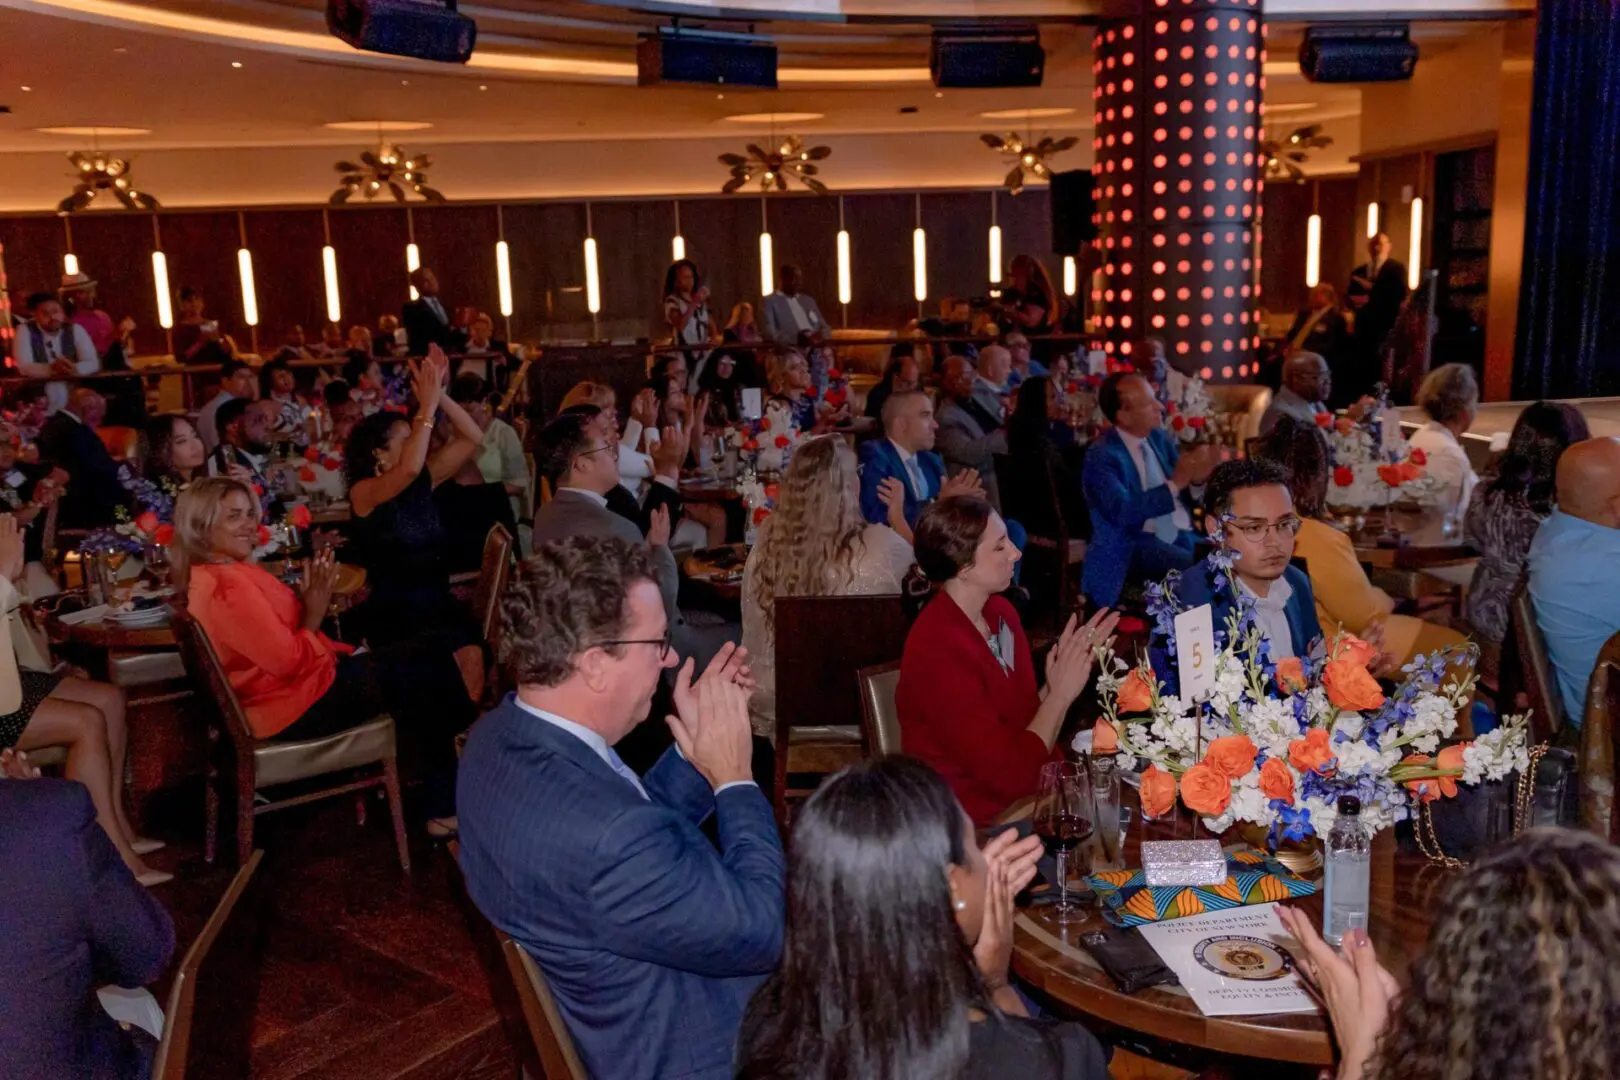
<point>1051,958</point>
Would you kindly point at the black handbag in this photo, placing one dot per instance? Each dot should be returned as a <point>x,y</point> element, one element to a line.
<point>1453,832</point>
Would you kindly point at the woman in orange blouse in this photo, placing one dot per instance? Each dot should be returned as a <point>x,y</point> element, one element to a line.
<point>294,682</point>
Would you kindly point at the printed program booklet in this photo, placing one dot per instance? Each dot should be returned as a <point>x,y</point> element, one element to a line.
<point>1238,962</point>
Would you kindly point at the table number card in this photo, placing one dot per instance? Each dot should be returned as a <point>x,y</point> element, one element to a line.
<point>1096,362</point>
<point>1390,421</point>
<point>1195,652</point>
<point>752,407</point>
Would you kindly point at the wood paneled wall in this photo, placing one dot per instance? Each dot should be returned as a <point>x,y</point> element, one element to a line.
<point>546,243</point>
<point>1288,208</point>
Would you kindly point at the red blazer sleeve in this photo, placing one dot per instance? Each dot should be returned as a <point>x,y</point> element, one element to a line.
<point>239,618</point>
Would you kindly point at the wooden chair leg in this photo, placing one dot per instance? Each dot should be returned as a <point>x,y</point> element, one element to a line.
<point>244,815</point>
<point>396,810</point>
<point>211,817</point>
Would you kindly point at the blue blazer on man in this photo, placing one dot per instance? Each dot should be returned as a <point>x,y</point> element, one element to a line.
<point>1198,586</point>
<point>72,918</point>
<point>650,939</point>
<point>879,461</point>
<point>1119,509</point>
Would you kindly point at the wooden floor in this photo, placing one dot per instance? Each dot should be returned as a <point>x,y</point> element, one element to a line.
<point>367,975</point>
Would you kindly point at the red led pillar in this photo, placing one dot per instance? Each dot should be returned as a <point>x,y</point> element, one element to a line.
<point>1177,177</point>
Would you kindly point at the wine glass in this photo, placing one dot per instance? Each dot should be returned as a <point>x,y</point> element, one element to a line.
<point>1064,813</point>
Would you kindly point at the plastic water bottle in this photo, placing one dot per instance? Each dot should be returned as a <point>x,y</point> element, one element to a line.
<point>1349,862</point>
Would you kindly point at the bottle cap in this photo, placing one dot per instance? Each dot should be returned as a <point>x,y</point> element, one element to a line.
<point>1349,804</point>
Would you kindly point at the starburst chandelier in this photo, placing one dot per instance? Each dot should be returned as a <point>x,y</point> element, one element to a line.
<point>1028,155</point>
<point>98,172</point>
<point>1284,157</point>
<point>789,157</point>
<point>388,169</point>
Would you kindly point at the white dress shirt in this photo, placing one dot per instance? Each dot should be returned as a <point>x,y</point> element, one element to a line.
<point>1139,452</point>
<point>1271,615</point>
<point>56,393</point>
<point>1448,463</point>
<point>599,745</point>
<point>801,318</point>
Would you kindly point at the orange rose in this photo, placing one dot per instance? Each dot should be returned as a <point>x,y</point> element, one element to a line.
<point>1231,756</point>
<point>1391,475</point>
<point>1410,471</point>
<point>1432,788</point>
<point>1104,739</point>
<point>1135,693</point>
<point>1353,648</point>
<point>1205,791</point>
<point>1349,686</point>
<point>1290,675</point>
<point>1158,792</point>
<point>1312,752</point>
<point>1345,425</point>
<point>1276,782</point>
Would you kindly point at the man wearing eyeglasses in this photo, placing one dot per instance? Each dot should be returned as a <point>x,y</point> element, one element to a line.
<point>1249,512</point>
<point>650,937</point>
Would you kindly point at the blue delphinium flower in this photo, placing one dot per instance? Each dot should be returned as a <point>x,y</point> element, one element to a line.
<point>1290,824</point>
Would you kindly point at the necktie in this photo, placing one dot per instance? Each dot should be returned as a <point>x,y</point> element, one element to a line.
<point>1163,526</point>
<point>625,771</point>
<point>919,486</point>
<point>438,309</point>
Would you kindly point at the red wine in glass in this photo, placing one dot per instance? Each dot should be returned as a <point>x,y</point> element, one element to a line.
<point>1063,832</point>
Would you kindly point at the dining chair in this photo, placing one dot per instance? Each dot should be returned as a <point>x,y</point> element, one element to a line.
<point>1534,667</point>
<point>530,1019</point>
<point>493,571</point>
<point>821,642</point>
<point>1033,500</point>
<point>880,720</point>
<point>1599,753</point>
<point>208,1032</point>
<point>261,763</point>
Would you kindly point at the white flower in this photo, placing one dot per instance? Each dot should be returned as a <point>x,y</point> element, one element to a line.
<point>1270,723</point>
<point>1497,753</point>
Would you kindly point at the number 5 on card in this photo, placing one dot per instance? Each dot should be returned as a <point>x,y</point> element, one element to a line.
<point>1195,652</point>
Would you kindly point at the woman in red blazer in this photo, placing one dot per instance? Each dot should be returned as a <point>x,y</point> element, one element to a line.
<point>967,698</point>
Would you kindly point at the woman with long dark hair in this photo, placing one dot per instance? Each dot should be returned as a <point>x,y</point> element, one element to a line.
<point>173,452</point>
<point>1520,976</point>
<point>899,937</point>
<point>968,699</point>
<point>1503,519</point>
<point>686,311</point>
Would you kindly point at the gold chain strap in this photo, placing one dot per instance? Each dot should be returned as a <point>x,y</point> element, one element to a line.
<point>1523,799</point>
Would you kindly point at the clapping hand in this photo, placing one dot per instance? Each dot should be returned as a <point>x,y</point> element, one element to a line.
<point>14,765</point>
<point>11,548</point>
<point>644,408</point>
<point>966,482</point>
<point>320,580</point>
<point>1354,986</point>
<point>715,735</point>
<point>892,494</point>
<point>658,528</point>
<point>1011,866</point>
<point>1068,665</point>
<point>729,665</point>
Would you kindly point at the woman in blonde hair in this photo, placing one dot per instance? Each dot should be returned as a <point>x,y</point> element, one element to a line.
<point>293,681</point>
<point>815,544</point>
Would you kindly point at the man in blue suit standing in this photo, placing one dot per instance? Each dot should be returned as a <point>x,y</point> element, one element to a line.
<point>901,473</point>
<point>1249,512</point>
<point>1137,486</point>
<point>650,938</point>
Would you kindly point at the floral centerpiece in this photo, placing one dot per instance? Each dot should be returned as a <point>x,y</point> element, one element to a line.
<point>1187,414</point>
<point>321,470</point>
<point>1275,744</point>
<point>1367,470</point>
<point>766,444</point>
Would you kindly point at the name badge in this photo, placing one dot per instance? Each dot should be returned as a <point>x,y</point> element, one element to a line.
<point>1195,652</point>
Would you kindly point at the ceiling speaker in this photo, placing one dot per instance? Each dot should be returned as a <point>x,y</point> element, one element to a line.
<point>423,31</point>
<point>965,59</point>
<point>1358,53</point>
<point>705,57</point>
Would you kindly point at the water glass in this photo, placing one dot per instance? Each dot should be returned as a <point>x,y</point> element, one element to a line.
<point>1105,785</point>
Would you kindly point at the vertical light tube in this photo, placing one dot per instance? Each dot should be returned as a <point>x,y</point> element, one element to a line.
<point>250,295</point>
<point>334,309</point>
<point>1313,250</point>
<point>503,276</point>
<point>413,262</point>
<point>995,254</point>
<point>70,263</point>
<point>1071,276</point>
<point>1414,255</point>
<point>160,282</point>
<point>677,247</point>
<point>919,264</point>
<point>593,283</point>
<point>844,290</point>
<point>1372,219</point>
<point>767,276</point>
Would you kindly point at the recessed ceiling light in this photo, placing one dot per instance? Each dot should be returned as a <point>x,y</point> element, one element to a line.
<point>1290,106</point>
<point>120,49</point>
<point>25,89</point>
<point>94,131</point>
<point>939,93</point>
<point>774,117</point>
<point>1026,114</point>
<point>378,125</point>
<point>236,63</point>
<point>404,82</point>
<point>481,86</point>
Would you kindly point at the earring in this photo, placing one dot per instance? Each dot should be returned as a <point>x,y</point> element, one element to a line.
<point>961,905</point>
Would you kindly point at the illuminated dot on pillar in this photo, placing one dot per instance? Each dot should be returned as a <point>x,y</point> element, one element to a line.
<point>1186,78</point>
<point>1229,264</point>
<point>1184,212</point>
<point>1108,295</point>
<point>1184,160</point>
<point>1185,107</point>
<point>1232,52</point>
<point>1207,373</point>
<point>1209,185</point>
<point>1245,290</point>
<point>1128,138</point>
<point>1127,164</point>
<point>1125,242</point>
<point>1108,216</point>
<point>1126,269</point>
<point>1158,187</point>
<point>1232,78</point>
<point>1158,294</point>
<point>1209,266</point>
<point>1209,347</point>
<point>1125,320</point>
<point>1247,236</point>
<point>1159,134</point>
<point>1158,322</point>
<point>1127,112</point>
<point>1184,239</point>
<point>1159,161</point>
<point>1226,346</point>
<point>1210,78</point>
<point>1249,53</point>
<point>1125,348</point>
<point>1183,266</point>
<point>1129,32</point>
<point>1229,237</point>
<point>1236,23</point>
<point>1108,346</point>
<point>1248,211</point>
<point>1109,115</point>
<point>1161,26</point>
<point>1209,132</point>
<point>1186,25</point>
<point>1182,347</point>
<point>1227,318</point>
<point>1243,370</point>
<point>1231,157</point>
<point>1248,132</point>
<point>1158,239</point>
<point>1128,85</point>
<point>1212,23</point>
<point>1127,190</point>
<point>1207,319</point>
<point>1109,140</point>
<point>1096,294</point>
<point>1245,264</point>
<point>1186,52</point>
<point>1109,62</point>
<point>1209,211</point>
<point>1158,213</point>
<point>1207,293</point>
<point>1108,322</point>
<point>1158,267</point>
<point>1226,372</point>
<point>1128,59</point>
<point>1230,209</point>
<point>1211,51</point>
<point>1243,343</point>
<point>1252,26</point>
<point>1126,215</point>
<point>1184,186</point>
<point>1209,158</point>
<point>1231,104</point>
<point>1248,106</point>
<point>1184,133</point>
<point>1248,159</point>
<point>1231,132</point>
<point>1183,294</point>
<point>1209,106</point>
<point>1161,81</point>
<point>1161,54</point>
<point>1243,318</point>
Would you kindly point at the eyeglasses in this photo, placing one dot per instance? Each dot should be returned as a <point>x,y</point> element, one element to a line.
<point>663,643</point>
<point>1252,529</point>
<point>593,450</point>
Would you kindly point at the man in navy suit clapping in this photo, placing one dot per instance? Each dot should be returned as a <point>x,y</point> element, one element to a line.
<point>901,473</point>
<point>650,938</point>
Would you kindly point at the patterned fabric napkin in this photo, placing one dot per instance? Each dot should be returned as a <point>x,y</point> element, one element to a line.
<point>1252,877</point>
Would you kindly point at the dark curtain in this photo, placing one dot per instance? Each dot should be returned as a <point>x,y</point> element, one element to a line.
<point>1569,303</point>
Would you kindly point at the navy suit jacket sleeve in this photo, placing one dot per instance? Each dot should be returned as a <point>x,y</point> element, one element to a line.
<point>131,937</point>
<point>676,783</point>
<point>877,465</point>
<point>668,898</point>
<point>1114,491</point>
